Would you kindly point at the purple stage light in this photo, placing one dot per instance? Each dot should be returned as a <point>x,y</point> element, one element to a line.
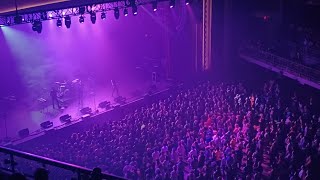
<point>81,19</point>
<point>155,6</point>
<point>103,15</point>
<point>59,23</point>
<point>93,17</point>
<point>172,3</point>
<point>125,12</point>
<point>116,13</point>
<point>50,15</point>
<point>134,9</point>
<point>67,21</point>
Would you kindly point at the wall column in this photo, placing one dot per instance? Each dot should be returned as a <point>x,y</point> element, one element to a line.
<point>207,35</point>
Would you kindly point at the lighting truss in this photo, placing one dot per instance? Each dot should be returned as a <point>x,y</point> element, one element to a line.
<point>73,11</point>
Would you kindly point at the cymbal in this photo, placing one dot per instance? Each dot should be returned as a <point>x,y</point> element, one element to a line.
<point>61,83</point>
<point>75,81</point>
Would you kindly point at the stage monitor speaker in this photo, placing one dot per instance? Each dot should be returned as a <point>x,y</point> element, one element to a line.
<point>86,110</point>
<point>85,117</point>
<point>65,118</point>
<point>46,124</point>
<point>116,106</point>
<point>120,100</point>
<point>24,133</point>
<point>104,105</point>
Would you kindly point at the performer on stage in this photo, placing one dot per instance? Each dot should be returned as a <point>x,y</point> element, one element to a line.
<point>114,88</point>
<point>54,97</point>
<point>80,94</point>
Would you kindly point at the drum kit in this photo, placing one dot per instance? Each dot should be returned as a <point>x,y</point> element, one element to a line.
<point>66,91</point>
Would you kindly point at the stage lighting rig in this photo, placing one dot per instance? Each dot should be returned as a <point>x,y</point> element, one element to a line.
<point>116,13</point>
<point>155,5</point>
<point>80,10</point>
<point>37,26</point>
<point>67,21</point>
<point>93,17</point>
<point>81,19</point>
<point>188,2</point>
<point>103,15</point>
<point>172,3</point>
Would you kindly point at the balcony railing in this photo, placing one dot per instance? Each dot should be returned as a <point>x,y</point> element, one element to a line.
<point>281,63</point>
<point>11,160</point>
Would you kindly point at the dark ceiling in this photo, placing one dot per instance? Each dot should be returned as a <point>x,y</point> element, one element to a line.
<point>9,5</point>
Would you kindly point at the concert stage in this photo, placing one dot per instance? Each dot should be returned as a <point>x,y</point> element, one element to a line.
<point>130,49</point>
<point>21,117</point>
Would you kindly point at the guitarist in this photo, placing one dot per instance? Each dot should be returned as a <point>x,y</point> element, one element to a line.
<point>114,88</point>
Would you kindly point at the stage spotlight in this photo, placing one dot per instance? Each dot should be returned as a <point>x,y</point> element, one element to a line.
<point>59,23</point>
<point>188,2</point>
<point>172,3</point>
<point>116,13</point>
<point>81,19</point>
<point>67,21</point>
<point>155,5</point>
<point>93,17</point>
<point>103,15</point>
<point>134,9</point>
<point>37,26</point>
<point>125,12</point>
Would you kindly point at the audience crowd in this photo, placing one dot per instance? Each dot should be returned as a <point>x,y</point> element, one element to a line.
<point>210,131</point>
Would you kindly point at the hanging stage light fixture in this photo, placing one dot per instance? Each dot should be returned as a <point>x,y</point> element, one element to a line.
<point>116,13</point>
<point>37,26</point>
<point>59,23</point>
<point>67,21</point>
<point>93,17</point>
<point>155,5</point>
<point>172,3</point>
<point>125,12</point>
<point>103,15</point>
<point>81,19</point>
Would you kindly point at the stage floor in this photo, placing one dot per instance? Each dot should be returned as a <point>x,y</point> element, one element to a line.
<point>19,117</point>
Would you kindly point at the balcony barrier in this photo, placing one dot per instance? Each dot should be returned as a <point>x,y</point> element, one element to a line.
<point>13,161</point>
